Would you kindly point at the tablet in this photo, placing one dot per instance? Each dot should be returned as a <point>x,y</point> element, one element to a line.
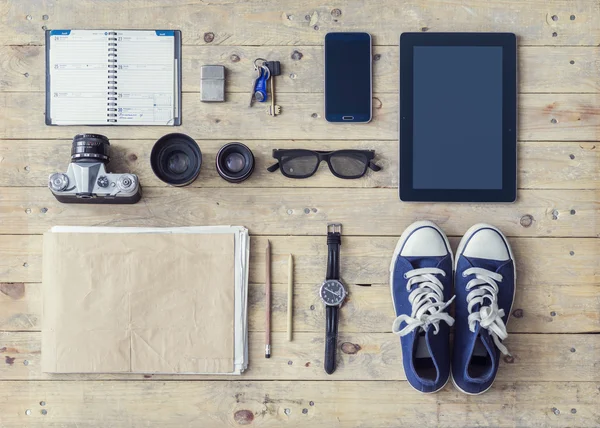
<point>458,117</point>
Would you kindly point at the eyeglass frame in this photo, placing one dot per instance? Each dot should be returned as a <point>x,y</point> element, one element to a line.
<point>323,156</point>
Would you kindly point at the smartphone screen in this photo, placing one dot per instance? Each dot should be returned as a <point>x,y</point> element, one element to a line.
<point>348,77</point>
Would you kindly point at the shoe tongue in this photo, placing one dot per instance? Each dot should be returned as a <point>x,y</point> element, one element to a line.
<point>425,262</point>
<point>486,339</point>
<point>478,351</point>
<point>423,337</point>
<point>426,342</point>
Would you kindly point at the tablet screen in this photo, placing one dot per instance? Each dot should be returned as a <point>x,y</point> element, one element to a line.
<point>457,117</point>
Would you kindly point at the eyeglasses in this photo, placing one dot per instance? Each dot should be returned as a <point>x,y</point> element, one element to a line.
<point>300,163</point>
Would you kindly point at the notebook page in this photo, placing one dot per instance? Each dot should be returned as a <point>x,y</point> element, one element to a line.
<point>146,67</point>
<point>77,65</point>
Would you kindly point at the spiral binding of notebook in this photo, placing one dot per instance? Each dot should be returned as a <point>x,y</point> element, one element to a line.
<point>111,110</point>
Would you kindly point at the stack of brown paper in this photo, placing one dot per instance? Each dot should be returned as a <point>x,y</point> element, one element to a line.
<point>139,302</point>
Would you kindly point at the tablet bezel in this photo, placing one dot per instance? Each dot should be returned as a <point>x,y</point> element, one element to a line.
<point>508,43</point>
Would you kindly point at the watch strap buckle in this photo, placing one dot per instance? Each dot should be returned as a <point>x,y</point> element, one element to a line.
<point>334,228</point>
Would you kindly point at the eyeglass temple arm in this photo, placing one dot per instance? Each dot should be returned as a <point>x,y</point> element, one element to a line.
<point>273,168</point>
<point>374,166</point>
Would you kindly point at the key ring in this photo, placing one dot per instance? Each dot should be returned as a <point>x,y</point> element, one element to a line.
<point>259,59</point>
<point>266,72</point>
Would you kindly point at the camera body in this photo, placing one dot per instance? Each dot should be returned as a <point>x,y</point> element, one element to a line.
<point>87,181</point>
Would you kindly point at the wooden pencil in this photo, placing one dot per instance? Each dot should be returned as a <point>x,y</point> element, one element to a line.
<point>290,297</point>
<point>268,301</point>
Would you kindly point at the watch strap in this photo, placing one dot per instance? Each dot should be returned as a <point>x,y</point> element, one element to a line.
<point>331,333</point>
<point>334,241</point>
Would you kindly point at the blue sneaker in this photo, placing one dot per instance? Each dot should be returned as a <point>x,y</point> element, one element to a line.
<point>485,290</point>
<point>421,285</point>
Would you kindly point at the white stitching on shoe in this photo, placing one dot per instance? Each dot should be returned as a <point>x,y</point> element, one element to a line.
<point>489,316</point>
<point>427,301</point>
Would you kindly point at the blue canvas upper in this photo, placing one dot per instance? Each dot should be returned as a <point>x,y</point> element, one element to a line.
<point>473,370</point>
<point>437,344</point>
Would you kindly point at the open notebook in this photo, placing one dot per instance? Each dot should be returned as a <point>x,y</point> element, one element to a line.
<point>113,77</point>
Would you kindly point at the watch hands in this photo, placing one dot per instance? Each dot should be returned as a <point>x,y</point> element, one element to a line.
<point>337,294</point>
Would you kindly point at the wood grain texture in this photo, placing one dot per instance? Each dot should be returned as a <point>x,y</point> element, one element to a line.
<point>538,308</point>
<point>543,165</point>
<point>280,404</point>
<point>289,22</point>
<point>542,69</point>
<point>552,379</point>
<point>360,356</point>
<point>556,293</point>
<point>365,260</point>
<point>576,115</point>
<point>305,211</point>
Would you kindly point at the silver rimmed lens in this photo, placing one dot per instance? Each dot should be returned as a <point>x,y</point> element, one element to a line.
<point>58,182</point>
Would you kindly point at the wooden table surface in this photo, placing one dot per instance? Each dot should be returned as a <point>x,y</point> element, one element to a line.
<point>553,378</point>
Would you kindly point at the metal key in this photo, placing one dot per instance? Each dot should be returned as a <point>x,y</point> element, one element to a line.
<point>275,69</point>
<point>273,109</point>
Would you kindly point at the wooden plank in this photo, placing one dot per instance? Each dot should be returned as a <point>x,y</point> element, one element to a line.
<point>576,117</point>
<point>298,404</point>
<point>365,260</point>
<point>553,213</point>
<point>538,308</point>
<point>292,23</point>
<point>543,308</point>
<point>544,165</point>
<point>361,356</point>
<point>542,69</point>
<point>556,292</point>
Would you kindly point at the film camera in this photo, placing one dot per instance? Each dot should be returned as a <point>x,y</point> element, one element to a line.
<point>87,181</point>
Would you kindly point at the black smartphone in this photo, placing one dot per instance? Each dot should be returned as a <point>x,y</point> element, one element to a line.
<point>348,77</point>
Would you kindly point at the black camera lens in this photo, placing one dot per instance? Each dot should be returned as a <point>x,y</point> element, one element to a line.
<point>235,162</point>
<point>176,159</point>
<point>90,148</point>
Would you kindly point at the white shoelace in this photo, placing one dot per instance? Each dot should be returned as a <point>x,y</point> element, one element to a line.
<point>488,316</point>
<point>427,301</point>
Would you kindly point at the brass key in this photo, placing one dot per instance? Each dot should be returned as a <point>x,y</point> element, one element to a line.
<point>273,109</point>
<point>275,69</point>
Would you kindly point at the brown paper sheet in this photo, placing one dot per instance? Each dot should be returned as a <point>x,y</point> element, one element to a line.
<point>138,302</point>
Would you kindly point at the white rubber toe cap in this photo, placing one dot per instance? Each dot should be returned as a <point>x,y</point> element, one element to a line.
<point>424,242</point>
<point>487,243</point>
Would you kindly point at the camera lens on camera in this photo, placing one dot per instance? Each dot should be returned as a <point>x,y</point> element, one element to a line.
<point>176,159</point>
<point>90,148</point>
<point>235,162</point>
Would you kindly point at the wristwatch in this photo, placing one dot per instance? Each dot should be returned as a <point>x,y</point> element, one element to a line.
<point>332,293</point>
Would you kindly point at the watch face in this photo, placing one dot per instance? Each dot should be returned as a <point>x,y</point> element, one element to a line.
<point>332,292</point>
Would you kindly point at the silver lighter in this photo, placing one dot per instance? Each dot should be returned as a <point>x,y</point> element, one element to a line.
<point>212,83</point>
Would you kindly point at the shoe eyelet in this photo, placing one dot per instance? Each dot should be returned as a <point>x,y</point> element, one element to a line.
<point>464,275</point>
<point>404,276</point>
